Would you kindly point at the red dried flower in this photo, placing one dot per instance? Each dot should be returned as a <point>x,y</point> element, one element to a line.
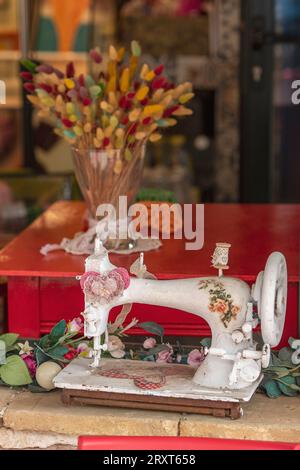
<point>58,73</point>
<point>95,56</point>
<point>45,87</point>
<point>70,70</point>
<point>26,76</point>
<point>133,128</point>
<point>125,120</point>
<point>81,80</point>
<point>169,111</point>
<point>158,82</point>
<point>106,141</point>
<point>45,68</point>
<point>145,102</point>
<point>159,70</point>
<point>125,103</point>
<point>29,87</point>
<point>148,120</point>
<point>67,123</point>
<point>87,101</point>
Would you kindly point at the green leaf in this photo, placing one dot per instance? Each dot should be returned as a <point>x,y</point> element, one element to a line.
<point>286,386</point>
<point>272,389</point>
<point>285,355</point>
<point>45,342</point>
<point>40,356</point>
<point>58,352</point>
<point>58,331</point>
<point>34,388</point>
<point>152,327</point>
<point>44,356</point>
<point>15,372</point>
<point>9,339</point>
<point>29,65</point>
<point>206,342</point>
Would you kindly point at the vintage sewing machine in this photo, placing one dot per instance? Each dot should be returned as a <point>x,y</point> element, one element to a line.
<point>232,369</point>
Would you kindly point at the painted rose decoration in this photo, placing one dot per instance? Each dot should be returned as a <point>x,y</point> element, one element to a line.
<point>220,301</point>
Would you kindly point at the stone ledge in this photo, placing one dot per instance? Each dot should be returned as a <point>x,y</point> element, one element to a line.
<point>6,397</point>
<point>11,439</point>
<point>46,413</point>
<point>264,419</point>
<point>41,420</point>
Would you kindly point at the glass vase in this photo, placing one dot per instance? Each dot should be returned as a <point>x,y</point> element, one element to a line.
<point>105,175</point>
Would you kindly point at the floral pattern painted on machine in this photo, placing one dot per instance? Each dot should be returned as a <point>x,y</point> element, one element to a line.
<point>103,288</point>
<point>219,301</point>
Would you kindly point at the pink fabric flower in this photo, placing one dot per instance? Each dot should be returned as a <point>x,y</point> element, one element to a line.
<point>116,347</point>
<point>75,325</point>
<point>195,357</point>
<point>165,355</point>
<point>104,288</point>
<point>30,363</point>
<point>149,343</point>
<point>82,347</point>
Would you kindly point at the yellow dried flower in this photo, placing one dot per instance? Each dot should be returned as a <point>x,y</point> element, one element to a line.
<point>113,54</point>
<point>152,109</point>
<point>142,93</point>
<point>70,84</point>
<point>155,137</point>
<point>186,97</point>
<point>124,82</point>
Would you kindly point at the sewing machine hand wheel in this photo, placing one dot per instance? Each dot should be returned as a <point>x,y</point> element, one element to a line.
<point>270,293</point>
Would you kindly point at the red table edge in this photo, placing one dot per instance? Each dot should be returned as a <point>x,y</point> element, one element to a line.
<point>116,443</point>
<point>161,276</point>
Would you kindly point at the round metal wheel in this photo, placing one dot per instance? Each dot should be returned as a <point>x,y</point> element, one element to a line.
<point>272,303</point>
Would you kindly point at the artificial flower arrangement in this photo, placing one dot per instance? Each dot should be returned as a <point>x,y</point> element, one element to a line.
<point>120,106</point>
<point>35,363</point>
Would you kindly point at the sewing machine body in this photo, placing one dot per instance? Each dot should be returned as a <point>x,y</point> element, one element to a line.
<point>232,369</point>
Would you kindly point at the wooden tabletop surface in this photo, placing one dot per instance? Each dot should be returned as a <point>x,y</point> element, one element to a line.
<point>254,232</point>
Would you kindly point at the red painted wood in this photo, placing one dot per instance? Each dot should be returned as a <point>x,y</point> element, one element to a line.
<point>114,443</point>
<point>23,306</point>
<point>253,230</point>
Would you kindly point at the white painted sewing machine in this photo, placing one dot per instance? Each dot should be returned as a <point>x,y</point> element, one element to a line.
<point>229,306</point>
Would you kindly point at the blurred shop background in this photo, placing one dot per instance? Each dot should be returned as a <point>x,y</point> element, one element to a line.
<point>241,144</point>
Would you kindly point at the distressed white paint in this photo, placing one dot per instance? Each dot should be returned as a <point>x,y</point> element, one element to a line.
<point>232,362</point>
<point>79,376</point>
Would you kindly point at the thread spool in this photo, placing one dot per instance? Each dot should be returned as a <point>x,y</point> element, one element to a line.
<point>220,257</point>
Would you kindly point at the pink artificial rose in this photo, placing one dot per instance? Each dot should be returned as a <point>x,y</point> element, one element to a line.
<point>30,363</point>
<point>165,355</point>
<point>195,357</point>
<point>75,326</point>
<point>149,343</point>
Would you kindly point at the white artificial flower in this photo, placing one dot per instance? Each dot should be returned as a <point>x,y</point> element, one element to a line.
<point>25,348</point>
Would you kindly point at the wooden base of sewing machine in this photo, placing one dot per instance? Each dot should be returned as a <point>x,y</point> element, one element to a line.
<point>218,409</point>
<point>145,385</point>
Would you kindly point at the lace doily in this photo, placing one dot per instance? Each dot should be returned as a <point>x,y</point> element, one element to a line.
<point>83,244</point>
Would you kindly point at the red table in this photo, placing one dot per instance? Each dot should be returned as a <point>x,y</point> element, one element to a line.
<point>43,290</point>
